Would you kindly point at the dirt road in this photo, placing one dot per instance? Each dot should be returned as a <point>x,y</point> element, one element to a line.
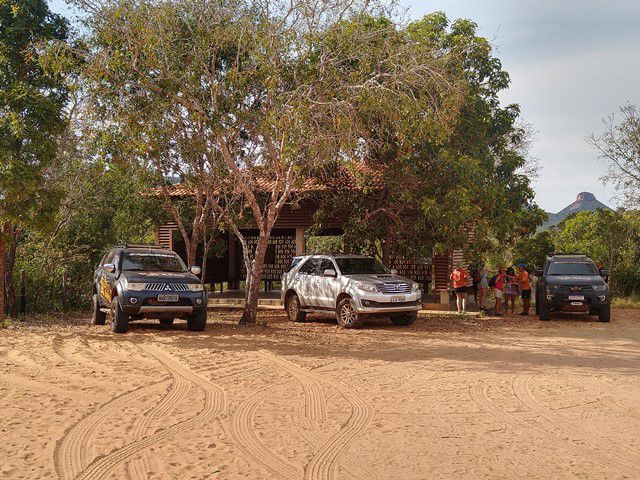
<point>449,397</point>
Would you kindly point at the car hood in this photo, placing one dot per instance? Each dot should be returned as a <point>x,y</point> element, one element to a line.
<point>574,280</point>
<point>379,278</point>
<point>160,277</point>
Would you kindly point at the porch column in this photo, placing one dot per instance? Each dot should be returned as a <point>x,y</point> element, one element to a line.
<point>301,244</point>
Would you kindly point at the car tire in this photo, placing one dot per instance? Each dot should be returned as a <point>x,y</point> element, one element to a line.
<point>166,321</point>
<point>98,317</point>
<point>119,319</point>
<point>347,316</point>
<point>605,314</point>
<point>197,321</point>
<point>544,313</point>
<point>294,311</point>
<point>404,319</point>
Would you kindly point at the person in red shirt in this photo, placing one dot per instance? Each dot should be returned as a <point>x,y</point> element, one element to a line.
<point>459,277</point>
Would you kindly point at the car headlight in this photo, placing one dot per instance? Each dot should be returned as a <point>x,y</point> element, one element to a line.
<point>599,288</point>
<point>195,287</point>
<point>415,287</point>
<point>135,287</point>
<point>367,287</point>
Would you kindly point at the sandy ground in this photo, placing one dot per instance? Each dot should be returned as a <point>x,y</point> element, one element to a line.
<point>449,397</point>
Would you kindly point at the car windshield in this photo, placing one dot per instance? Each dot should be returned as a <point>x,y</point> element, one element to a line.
<point>152,262</point>
<point>357,266</point>
<point>572,268</point>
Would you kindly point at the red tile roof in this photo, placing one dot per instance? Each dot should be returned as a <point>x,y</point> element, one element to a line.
<point>346,176</point>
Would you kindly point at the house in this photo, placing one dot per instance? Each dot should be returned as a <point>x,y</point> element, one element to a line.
<point>289,238</point>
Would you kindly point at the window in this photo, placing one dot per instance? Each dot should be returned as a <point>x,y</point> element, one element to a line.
<point>152,262</point>
<point>294,261</point>
<point>108,258</point>
<point>310,267</point>
<point>326,264</point>
<point>360,265</point>
<point>572,268</point>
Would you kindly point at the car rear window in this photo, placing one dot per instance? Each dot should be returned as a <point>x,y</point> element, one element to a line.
<point>572,268</point>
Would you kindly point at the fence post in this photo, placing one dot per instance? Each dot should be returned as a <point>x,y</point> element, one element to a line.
<point>23,292</point>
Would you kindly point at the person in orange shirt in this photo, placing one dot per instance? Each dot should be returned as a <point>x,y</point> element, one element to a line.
<point>459,277</point>
<point>525,288</point>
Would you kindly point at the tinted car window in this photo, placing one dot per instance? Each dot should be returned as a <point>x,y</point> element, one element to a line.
<point>325,264</point>
<point>108,257</point>
<point>152,262</point>
<point>357,266</point>
<point>572,268</point>
<point>294,261</point>
<point>310,267</point>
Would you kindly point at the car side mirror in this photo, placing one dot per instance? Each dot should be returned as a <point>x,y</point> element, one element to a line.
<point>330,272</point>
<point>604,272</point>
<point>393,271</point>
<point>196,270</point>
<point>109,267</point>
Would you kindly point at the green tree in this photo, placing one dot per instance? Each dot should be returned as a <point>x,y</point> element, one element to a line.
<point>32,102</point>
<point>611,238</point>
<point>439,183</point>
<point>534,250</point>
<point>247,100</point>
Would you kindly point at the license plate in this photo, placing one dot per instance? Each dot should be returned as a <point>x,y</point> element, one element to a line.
<point>576,297</point>
<point>397,299</point>
<point>168,297</point>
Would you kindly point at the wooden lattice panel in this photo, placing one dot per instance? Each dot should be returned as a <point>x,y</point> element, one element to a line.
<point>284,247</point>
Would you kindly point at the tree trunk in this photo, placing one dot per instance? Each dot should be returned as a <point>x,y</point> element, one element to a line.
<point>254,275</point>
<point>192,248</point>
<point>3,256</point>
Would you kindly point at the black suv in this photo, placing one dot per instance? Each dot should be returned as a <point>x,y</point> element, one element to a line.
<point>572,283</point>
<point>147,281</point>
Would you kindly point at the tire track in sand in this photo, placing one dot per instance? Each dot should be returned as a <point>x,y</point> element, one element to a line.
<point>479,393</point>
<point>242,432</point>
<point>139,467</point>
<point>561,428</point>
<point>325,461</point>
<point>214,405</point>
<point>70,454</point>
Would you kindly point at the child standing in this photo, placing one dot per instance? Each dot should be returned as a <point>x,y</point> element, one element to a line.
<point>459,277</point>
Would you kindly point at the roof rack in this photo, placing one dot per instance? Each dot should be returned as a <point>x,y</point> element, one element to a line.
<point>568,254</point>
<point>142,245</point>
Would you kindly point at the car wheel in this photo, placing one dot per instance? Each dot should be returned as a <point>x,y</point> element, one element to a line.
<point>347,316</point>
<point>166,321</point>
<point>543,312</point>
<point>605,314</point>
<point>98,317</point>
<point>197,321</point>
<point>294,311</point>
<point>119,319</point>
<point>404,319</point>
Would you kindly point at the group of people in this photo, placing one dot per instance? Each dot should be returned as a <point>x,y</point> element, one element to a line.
<point>507,284</point>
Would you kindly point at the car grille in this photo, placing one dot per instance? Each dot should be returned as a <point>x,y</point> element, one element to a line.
<point>162,287</point>
<point>395,287</point>
<point>576,288</point>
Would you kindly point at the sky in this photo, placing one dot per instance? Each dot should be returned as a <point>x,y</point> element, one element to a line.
<point>572,63</point>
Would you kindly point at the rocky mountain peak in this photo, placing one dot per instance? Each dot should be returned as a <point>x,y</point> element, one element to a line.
<point>585,201</point>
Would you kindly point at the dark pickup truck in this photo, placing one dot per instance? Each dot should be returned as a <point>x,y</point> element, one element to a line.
<point>572,283</point>
<point>134,282</point>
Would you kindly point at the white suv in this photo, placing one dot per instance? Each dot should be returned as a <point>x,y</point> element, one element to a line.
<point>352,286</point>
